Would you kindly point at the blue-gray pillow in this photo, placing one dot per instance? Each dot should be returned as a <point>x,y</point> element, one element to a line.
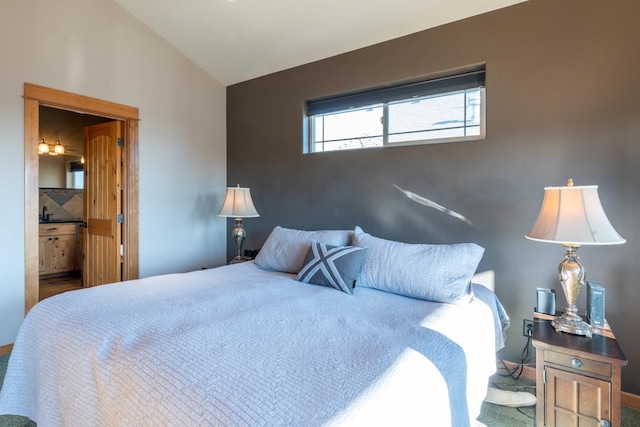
<point>440,273</point>
<point>286,248</point>
<point>335,266</point>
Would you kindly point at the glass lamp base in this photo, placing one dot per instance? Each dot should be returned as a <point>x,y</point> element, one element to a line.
<point>572,324</point>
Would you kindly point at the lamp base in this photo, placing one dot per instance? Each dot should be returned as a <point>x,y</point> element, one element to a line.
<point>238,234</point>
<point>573,324</point>
<point>572,276</point>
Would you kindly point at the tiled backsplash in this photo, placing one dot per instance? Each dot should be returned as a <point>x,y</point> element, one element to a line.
<point>62,203</point>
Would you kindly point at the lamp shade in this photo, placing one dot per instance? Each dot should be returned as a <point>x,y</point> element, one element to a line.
<point>238,204</point>
<point>43,147</point>
<point>58,148</point>
<point>573,215</point>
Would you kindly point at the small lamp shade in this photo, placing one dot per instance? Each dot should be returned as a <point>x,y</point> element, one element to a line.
<point>573,215</point>
<point>238,204</point>
<point>43,147</point>
<point>58,148</point>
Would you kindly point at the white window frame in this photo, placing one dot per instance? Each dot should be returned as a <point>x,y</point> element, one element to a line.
<point>434,88</point>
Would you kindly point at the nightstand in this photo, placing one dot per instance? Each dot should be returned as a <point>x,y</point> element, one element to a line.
<point>577,378</point>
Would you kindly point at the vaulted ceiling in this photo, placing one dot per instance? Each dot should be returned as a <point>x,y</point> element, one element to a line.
<point>238,40</point>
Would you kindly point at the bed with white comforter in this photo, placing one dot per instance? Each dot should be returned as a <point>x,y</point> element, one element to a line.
<point>242,346</point>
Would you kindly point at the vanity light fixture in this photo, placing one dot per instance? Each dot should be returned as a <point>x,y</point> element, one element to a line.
<point>44,148</point>
<point>59,148</point>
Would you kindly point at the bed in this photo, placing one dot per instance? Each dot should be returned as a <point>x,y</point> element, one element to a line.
<point>250,344</point>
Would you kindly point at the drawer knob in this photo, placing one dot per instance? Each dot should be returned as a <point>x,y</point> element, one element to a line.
<point>604,423</point>
<point>576,363</point>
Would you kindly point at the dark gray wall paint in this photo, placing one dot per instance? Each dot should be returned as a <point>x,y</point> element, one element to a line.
<point>563,93</point>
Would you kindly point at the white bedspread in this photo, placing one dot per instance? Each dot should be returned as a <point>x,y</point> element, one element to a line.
<point>238,346</point>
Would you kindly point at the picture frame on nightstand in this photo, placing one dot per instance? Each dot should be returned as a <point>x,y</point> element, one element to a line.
<point>595,304</point>
<point>546,301</point>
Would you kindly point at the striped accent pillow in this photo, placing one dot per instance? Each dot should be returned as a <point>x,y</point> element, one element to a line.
<point>335,266</point>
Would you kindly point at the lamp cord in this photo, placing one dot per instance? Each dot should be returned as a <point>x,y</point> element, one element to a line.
<point>519,368</point>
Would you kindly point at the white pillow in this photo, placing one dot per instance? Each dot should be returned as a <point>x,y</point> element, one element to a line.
<point>285,249</point>
<point>440,273</point>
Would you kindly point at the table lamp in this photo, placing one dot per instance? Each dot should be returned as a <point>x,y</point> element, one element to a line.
<point>238,204</point>
<point>573,216</point>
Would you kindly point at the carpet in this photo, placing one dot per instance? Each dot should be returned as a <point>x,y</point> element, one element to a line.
<point>497,416</point>
<point>11,420</point>
<point>502,416</point>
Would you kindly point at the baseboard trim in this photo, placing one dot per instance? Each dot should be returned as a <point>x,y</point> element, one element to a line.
<point>628,399</point>
<point>631,400</point>
<point>5,349</point>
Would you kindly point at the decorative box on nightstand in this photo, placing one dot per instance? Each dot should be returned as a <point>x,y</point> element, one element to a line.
<point>577,378</point>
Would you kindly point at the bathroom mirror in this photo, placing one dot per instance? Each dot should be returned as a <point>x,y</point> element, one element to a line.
<point>63,170</point>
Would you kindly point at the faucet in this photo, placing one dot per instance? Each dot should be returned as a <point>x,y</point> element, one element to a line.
<point>44,213</point>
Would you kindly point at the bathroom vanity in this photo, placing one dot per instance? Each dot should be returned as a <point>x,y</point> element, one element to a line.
<point>59,248</point>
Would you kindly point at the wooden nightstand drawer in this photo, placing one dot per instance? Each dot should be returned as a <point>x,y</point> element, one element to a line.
<point>579,363</point>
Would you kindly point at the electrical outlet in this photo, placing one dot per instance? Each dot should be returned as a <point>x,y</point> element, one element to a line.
<point>527,327</point>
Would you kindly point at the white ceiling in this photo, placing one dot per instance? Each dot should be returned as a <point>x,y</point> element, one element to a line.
<point>238,40</point>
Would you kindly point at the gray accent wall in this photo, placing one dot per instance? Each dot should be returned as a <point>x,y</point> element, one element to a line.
<point>563,101</point>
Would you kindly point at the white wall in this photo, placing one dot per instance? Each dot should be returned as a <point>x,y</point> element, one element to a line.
<point>96,48</point>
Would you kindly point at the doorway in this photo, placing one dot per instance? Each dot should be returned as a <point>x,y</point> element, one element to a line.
<point>37,96</point>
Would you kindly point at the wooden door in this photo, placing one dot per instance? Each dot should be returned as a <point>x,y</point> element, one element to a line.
<point>103,202</point>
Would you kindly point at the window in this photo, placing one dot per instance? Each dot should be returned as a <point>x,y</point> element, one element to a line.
<point>433,111</point>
